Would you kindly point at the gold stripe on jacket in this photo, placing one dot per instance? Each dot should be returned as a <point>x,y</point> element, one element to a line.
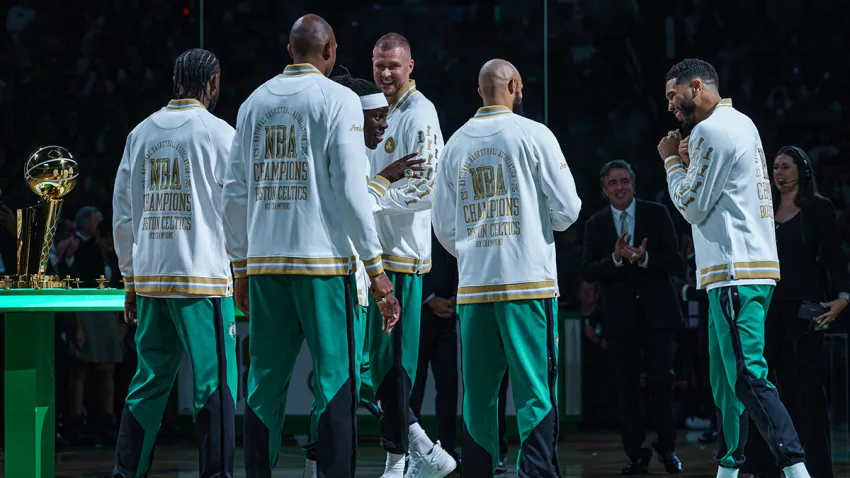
<point>740,271</point>
<point>483,294</point>
<point>162,284</point>
<point>406,265</point>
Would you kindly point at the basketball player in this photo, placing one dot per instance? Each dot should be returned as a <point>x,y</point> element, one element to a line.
<point>295,201</point>
<point>170,246</point>
<point>375,109</point>
<point>403,220</point>
<point>504,187</point>
<point>722,188</point>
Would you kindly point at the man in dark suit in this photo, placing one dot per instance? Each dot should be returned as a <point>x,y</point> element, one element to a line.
<point>631,251</point>
<point>438,345</point>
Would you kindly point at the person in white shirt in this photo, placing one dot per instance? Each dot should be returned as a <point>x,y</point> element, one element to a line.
<point>503,187</point>
<point>297,217</point>
<point>170,246</point>
<point>403,219</point>
<point>722,188</point>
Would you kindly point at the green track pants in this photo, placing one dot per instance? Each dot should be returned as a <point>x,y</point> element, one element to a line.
<point>206,330</point>
<point>738,374</point>
<point>520,336</point>
<point>285,311</point>
<point>393,360</point>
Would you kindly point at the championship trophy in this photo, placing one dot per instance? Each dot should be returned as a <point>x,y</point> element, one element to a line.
<point>51,173</point>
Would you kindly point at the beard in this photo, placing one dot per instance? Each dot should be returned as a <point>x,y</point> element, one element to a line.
<point>517,104</point>
<point>689,110</point>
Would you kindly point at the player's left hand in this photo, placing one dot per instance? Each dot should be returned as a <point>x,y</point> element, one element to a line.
<point>396,170</point>
<point>130,308</point>
<point>390,311</point>
<point>835,308</point>
<point>669,145</point>
<point>635,254</point>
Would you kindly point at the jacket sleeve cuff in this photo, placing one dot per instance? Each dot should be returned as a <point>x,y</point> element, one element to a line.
<point>616,262</point>
<point>673,164</point>
<point>374,266</point>
<point>129,285</point>
<point>240,269</point>
<point>379,184</point>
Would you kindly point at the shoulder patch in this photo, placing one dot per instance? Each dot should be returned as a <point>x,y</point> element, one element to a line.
<point>389,145</point>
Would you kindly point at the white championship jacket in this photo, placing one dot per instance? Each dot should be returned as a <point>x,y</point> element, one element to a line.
<point>503,187</point>
<point>403,210</point>
<point>167,204</point>
<point>295,195</point>
<point>725,195</point>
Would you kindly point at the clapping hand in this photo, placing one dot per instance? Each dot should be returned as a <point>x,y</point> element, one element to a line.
<point>621,243</point>
<point>635,254</point>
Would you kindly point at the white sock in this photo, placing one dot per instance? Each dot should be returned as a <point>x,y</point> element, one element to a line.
<point>796,471</point>
<point>395,466</point>
<point>723,472</point>
<point>417,440</point>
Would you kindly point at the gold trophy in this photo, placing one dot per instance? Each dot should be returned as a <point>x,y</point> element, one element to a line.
<point>51,173</point>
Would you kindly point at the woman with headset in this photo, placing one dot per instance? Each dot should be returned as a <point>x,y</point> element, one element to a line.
<point>812,293</point>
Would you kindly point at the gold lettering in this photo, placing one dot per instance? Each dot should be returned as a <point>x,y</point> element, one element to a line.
<point>766,211</point>
<point>270,140</point>
<point>154,174</point>
<point>175,175</point>
<point>280,142</point>
<point>486,183</point>
<point>290,150</point>
<point>501,190</point>
<point>165,174</point>
<point>763,190</point>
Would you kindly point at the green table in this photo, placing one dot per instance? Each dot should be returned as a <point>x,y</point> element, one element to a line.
<point>30,378</point>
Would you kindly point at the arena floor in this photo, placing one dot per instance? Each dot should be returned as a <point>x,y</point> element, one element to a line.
<point>581,455</point>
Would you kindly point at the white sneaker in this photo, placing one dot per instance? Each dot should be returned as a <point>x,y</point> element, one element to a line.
<point>436,464</point>
<point>310,469</point>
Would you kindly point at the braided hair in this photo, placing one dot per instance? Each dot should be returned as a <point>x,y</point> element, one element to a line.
<point>358,85</point>
<point>193,71</point>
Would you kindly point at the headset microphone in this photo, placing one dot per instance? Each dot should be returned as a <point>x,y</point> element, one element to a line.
<point>783,182</point>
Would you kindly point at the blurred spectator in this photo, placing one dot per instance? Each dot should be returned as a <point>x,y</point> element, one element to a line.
<point>98,336</point>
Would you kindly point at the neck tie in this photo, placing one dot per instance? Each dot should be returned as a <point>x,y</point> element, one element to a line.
<point>624,226</point>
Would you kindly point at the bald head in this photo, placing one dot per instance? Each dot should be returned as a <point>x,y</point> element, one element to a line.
<point>495,75</point>
<point>309,35</point>
<point>499,83</point>
<point>391,41</point>
<point>312,41</point>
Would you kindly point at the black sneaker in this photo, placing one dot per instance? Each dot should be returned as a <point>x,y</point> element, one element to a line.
<point>501,467</point>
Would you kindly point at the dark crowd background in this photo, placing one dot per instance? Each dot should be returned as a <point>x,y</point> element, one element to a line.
<point>82,74</point>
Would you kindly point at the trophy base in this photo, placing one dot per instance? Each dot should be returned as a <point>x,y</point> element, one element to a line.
<point>35,282</point>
